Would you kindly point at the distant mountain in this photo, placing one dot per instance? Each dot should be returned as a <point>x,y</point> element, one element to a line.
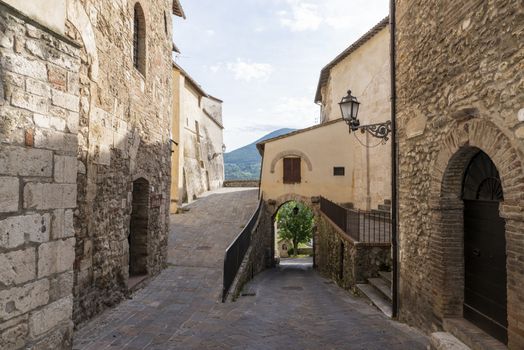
<point>244,163</point>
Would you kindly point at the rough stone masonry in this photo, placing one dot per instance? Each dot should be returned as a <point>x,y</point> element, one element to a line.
<point>38,184</point>
<point>84,164</point>
<point>460,85</point>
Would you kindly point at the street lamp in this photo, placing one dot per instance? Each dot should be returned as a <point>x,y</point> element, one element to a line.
<point>349,106</point>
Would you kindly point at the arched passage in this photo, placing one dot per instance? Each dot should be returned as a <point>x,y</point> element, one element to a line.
<point>293,230</point>
<point>138,230</point>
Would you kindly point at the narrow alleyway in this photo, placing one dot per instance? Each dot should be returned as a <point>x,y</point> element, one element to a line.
<point>293,307</point>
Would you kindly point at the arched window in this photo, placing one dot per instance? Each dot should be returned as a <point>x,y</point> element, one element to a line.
<point>139,39</point>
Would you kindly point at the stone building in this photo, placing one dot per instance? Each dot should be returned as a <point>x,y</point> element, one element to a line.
<point>329,161</point>
<point>85,113</point>
<point>198,145</point>
<point>460,112</point>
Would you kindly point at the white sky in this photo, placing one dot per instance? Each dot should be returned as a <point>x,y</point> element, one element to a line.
<point>263,57</point>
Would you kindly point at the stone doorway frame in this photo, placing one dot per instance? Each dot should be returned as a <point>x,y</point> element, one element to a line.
<point>446,210</point>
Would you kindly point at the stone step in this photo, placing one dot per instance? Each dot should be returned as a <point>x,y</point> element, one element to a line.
<point>382,287</point>
<point>471,335</point>
<point>387,276</point>
<point>383,207</point>
<point>376,298</point>
<point>446,341</point>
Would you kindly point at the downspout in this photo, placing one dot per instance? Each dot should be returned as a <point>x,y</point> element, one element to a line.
<point>394,164</point>
<point>261,168</point>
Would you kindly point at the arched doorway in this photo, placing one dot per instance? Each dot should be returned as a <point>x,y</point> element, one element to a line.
<point>485,296</point>
<point>138,232</point>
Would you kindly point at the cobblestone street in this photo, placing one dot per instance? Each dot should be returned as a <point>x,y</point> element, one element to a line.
<point>293,307</point>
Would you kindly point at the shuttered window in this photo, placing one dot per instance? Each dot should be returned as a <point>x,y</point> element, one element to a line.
<point>291,170</point>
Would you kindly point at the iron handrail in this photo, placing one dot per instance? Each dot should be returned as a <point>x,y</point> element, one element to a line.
<point>236,252</point>
<point>362,226</point>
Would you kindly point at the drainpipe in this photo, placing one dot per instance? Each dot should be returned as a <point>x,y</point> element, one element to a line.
<point>260,174</point>
<point>394,164</point>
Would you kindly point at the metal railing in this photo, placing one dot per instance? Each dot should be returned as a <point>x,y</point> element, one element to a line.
<point>362,226</point>
<point>236,251</point>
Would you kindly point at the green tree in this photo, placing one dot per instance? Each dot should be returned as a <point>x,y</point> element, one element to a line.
<point>295,223</point>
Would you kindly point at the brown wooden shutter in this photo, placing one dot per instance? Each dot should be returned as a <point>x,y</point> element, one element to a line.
<point>296,170</point>
<point>288,169</point>
<point>292,170</point>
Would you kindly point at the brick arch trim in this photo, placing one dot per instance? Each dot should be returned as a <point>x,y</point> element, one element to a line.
<point>482,135</point>
<point>446,212</point>
<point>291,153</point>
<point>292,197</point>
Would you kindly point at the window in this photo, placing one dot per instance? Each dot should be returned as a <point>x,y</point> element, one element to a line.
<point>139,39</point>
<point>292,170</point>
<point>339,171</point>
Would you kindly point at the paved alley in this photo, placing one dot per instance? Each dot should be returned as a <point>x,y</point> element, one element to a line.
<point>293,307</point>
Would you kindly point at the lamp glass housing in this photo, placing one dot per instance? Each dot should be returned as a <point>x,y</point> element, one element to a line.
<point>349,106</point>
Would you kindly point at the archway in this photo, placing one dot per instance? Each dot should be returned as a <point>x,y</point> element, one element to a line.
<point>485,296</point>
<point>293,228</point>
<point>138,232</point>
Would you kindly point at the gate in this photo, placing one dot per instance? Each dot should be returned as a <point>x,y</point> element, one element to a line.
<point>485,296</point>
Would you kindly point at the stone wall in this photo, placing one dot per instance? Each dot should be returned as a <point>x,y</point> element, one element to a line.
<point>460,89</point>
<point>259,255</point>
<point>241,183</point>
<point>38,183</point>
<point>125,117</point>
<point>340,258</point>
<point>202,141</point>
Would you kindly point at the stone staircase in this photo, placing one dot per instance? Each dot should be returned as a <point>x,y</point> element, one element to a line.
<point>378,291</point>
<point>386,207</point>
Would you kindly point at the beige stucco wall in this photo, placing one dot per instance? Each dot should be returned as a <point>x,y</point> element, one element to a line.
<point>327,146</point>
<point>367,182</point>
<point>50,13</point>
<point>366,73</point>
<point>201,163</point>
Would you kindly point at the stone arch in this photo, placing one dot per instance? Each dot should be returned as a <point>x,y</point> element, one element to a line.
<point>78,17</point>
<point>274,206</point>
<point>446,210</point>
<point>278,202</point>
<point>291,153</point>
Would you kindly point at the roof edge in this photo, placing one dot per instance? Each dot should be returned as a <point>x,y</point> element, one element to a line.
<point>191,80</point>
<point>178,10</point>
<point>260,145</point>
<point>324,73</point>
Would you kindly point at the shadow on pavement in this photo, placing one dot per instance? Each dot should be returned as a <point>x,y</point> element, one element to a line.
<point>296,263</point>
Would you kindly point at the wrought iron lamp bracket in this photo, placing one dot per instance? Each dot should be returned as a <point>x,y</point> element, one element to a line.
<point>378,130</point>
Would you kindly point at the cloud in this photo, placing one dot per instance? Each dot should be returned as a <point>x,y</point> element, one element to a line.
<point>247,71</point>
<point>257,128</point>
<point>311,15</point>
<point>210,32</point>
<point>303,16</point>
<point>296,109</point>
<point>216,67</point>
